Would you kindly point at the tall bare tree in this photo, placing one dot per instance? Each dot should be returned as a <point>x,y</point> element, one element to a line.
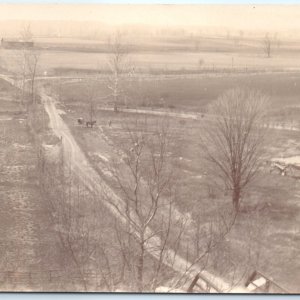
<point>26,33</point>
<point>267,44</point>
<point>21,73</point>
<point>90,95</point>
<point>232,141</point>
<point>117,64</point>
<point>146,181</point>
<point>72,210</point>
<point>28,63</point>
<point>147,184</point>
<point>32,59</point>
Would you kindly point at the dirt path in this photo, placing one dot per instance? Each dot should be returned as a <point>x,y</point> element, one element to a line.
<point>81,166</point>
<point>187,115</point>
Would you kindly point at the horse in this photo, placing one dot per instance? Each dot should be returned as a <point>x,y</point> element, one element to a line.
<point>90,123</point>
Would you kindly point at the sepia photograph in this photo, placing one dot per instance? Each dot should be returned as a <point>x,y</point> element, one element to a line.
<point>150,148</point>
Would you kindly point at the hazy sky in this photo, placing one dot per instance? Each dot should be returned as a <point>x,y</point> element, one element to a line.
<point>272,17</point>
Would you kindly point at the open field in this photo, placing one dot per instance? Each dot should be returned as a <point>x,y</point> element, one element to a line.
<point>192,94</point>
<point>209,55</point>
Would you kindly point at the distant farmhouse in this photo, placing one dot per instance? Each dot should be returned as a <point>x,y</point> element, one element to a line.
<point>16,44</point>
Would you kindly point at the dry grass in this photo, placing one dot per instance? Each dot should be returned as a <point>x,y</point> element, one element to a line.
<point>29,245</point>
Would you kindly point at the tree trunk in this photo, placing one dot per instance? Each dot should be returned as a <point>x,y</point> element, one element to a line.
<point>116,91</point>
<point>236,199</point>
<point>32,91</point>
<point>140,268</point>
<point>91,112</point>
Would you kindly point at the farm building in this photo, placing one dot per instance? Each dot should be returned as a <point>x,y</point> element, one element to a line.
<point>16,44</point>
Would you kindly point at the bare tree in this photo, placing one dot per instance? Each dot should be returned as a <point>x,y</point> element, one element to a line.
<point>116,63</point>
<point>241,33</point>
<point>26,33</point>
<point>32,59</point>
<point>147,184</point>
<point>146,181</point>
<point>232,142</point>
<point>28,63</point>
<point>90,95</point>
<point>72,210</point>
<point>22,73</point>
<point>200,63</point>
<point>277,40</point>
<point>267,44</point>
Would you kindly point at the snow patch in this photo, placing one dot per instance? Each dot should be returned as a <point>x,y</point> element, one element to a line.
<point>20,146</point>
<point>285,127</point>
<point>102,157</point>
<point>107,173</point>
<point>52,151</point>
